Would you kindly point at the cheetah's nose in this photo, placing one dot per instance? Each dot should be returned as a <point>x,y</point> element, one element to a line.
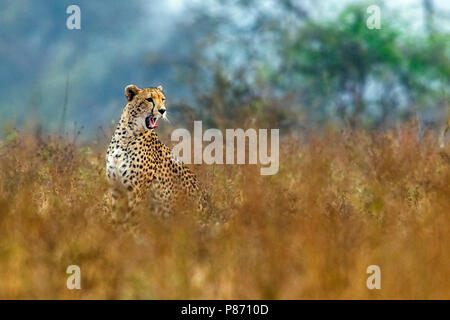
<point>162,111</point>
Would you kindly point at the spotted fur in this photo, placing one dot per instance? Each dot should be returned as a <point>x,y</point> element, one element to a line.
<point>140,166</point>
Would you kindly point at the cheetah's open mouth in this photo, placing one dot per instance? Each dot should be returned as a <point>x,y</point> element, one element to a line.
<point>150,122</point>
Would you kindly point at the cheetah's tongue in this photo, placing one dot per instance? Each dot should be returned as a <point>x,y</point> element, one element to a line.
<point>151,122</point>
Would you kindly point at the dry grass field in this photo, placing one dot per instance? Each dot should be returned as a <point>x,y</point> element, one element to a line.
<point>340,202</point>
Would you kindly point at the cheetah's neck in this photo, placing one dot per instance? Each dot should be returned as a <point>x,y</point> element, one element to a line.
<point>126,132</point>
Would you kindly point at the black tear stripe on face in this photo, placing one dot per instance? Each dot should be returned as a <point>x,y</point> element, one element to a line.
<point>152,102</point>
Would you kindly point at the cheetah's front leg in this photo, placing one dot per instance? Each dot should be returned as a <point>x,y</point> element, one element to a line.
<point>123,203</point>
<point>133,199</point>
<point>117,203</point>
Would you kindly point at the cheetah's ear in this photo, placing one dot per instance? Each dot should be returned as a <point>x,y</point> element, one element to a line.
<point>130,91</point>
<point>160,88</point>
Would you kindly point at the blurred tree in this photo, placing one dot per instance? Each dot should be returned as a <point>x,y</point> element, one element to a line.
<point>278,63</point>
<point>322,69</point>
<point>230,50</point>
<point>332,65</point>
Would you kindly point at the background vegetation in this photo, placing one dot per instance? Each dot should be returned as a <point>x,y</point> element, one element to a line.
<point>306,63</point>
<point>363,179</point>
<point>340,202</point>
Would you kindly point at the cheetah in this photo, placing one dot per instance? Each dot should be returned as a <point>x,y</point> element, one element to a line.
<point>139,166</point>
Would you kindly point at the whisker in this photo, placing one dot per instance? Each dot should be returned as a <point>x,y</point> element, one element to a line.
<point>167,119</point>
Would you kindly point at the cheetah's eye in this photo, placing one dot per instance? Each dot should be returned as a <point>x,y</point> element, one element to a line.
<point>149,100</point>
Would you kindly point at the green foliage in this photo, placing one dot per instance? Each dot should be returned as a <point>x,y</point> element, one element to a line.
<point>344,68</point>
<point>316,71</point>
<point>229,62</point>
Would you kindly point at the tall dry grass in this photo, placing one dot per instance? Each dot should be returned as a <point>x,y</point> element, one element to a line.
<point>339,203</point>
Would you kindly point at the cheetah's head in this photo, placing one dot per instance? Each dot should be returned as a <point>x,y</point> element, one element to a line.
<point>145,106</point>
